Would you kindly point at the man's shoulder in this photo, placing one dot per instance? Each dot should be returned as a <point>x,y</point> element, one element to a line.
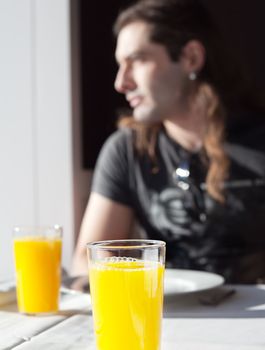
<point>119,137</point>
<point>117,145</point>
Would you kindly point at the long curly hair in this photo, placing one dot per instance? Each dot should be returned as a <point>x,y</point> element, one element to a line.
<point>219,84</point>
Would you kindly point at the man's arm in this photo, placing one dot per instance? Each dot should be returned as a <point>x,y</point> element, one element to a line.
<point>104,219</point>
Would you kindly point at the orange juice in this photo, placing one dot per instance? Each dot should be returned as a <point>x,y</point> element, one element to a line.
<point>37,262</point>
<point>127,300</point>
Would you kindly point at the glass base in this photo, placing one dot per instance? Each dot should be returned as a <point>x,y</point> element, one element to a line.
<point>39,314</point>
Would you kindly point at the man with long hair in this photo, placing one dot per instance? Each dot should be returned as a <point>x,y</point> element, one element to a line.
<point>187,164</point>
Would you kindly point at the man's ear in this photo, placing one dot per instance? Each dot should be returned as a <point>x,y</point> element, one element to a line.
<point>193,56</point>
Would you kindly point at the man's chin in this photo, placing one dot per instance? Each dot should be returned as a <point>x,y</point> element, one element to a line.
<point>146,118</point>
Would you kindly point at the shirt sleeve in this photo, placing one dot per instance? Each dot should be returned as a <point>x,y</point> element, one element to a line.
<point>111,176</point>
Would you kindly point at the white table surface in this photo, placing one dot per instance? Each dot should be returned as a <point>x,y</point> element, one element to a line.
<point>237,323</point>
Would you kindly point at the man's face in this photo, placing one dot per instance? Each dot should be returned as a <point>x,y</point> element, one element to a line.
<point>149,79</point>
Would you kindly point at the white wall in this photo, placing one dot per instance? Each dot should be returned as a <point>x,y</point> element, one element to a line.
<point>37,142</point>
<point>16,141</point>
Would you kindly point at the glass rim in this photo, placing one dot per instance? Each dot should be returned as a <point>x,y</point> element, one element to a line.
<point>18,228</point>
<point>114,244</point>
<point>36,231</point>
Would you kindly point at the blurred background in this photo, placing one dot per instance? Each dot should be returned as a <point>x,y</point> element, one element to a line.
<point>58,105</point>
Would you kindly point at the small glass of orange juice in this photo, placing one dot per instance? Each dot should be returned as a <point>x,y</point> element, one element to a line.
<point>126,283</point>
<point>37,255</point>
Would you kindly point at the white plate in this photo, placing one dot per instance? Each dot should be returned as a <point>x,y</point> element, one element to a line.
<point>178,281</point>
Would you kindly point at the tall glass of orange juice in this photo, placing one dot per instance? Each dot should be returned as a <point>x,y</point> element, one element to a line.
<point>37,255</point>
<point>126,284</point>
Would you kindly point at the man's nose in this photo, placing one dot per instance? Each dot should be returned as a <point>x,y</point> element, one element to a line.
<point>124,81</point>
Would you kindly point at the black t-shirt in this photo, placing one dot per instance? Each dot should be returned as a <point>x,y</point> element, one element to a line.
<point>200,233</point>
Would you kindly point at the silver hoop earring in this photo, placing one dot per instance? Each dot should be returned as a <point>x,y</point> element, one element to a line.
<point>192,76</point>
